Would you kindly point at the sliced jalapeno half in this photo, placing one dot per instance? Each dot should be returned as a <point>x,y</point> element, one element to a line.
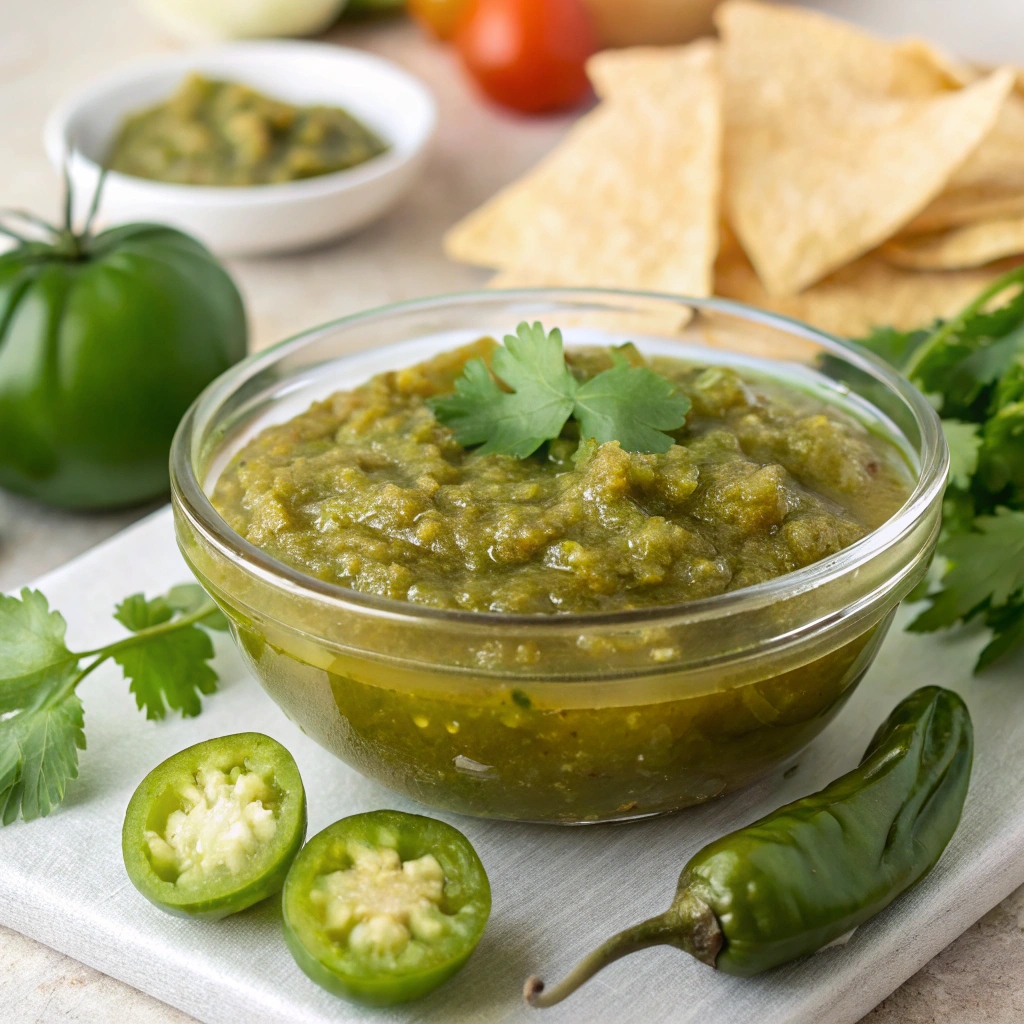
<point>383,907</point>
<point>214,829</point>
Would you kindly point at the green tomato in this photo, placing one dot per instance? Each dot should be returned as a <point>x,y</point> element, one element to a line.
<point>104,343</point>
<point>214,829</point>
<point>383,907</point>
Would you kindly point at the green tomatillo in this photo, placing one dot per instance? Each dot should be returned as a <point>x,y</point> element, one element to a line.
<point>105,340</point>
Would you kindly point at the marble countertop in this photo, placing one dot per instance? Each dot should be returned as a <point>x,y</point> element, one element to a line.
<point>50,46</point>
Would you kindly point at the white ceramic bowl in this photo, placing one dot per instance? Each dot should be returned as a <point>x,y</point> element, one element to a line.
<point>260,218</point>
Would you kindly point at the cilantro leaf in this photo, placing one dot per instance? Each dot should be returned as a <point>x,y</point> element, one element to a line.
<point>964,356</point>
<point>190,597</point>
<point>480,413</point>
<point>519,421</point>
<point>893,346</point>
<point>41,720</point>
<point>168,669</point>
<point>972,369</point>
<point>986,569</point>
<point>964,441</point>
<point>533,361</point>
<point>171,669</point>
<point>958,512</point>
<point>1001,461</point>
<point>632,405</point>
<point>972,378</point>
<point>1007,625</point>
<point>32,647</point>
<point>136,613</point>
<point>1002,450</point>
<point>41,717</point>
<point>39,746</point>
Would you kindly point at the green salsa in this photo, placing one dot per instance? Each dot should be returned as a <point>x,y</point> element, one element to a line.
<point>543,717</point>
<point>225,133</point>
<point>368,490</point>
<point>543,752</point>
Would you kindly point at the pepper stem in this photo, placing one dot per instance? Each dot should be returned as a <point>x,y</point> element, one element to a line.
<point>689,925</point>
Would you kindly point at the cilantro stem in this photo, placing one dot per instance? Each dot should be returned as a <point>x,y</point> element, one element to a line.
<point>102,654</point>
<point>72,683</point>
<point>921,353</point>
<point>171,626</point>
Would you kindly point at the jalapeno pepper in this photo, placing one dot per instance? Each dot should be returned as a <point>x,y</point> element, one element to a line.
<point>214,829</point>
<point>383,907</point>
<point>815,869</point>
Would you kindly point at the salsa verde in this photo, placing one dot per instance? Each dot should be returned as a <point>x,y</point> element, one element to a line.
<point>368,490</point>
<point>226,133</point>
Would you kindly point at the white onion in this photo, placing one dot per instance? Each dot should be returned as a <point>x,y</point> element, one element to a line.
<point>210,20</point>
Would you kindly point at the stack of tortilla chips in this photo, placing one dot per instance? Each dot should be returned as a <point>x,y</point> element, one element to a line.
<point>796,164</point>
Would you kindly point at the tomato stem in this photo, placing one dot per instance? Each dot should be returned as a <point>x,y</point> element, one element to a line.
<point>94,206</point>
<point>20,239</point>
<point>29,218</point>
<point>69,204</point>
<point>71,244</point>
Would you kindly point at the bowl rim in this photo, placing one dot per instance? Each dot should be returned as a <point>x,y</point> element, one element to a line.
<point>59,148</point>
<point>189,496</point>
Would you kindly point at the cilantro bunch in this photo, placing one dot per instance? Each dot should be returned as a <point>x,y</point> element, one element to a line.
<point>972,368</point>
<point>42,726</point>
<point>528,394</point>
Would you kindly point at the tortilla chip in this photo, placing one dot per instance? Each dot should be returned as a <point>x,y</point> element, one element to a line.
<point>628,200</point>
<point>835,140</point>
<point>990,184</point>
<point>933,68</point>
<point>640,70</point>
<point>970,246</point>
<point>866,294</point>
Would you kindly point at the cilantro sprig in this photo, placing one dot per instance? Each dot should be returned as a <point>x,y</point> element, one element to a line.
<point>972,369</point>
<point>42,724</point>
<point>528,394</point>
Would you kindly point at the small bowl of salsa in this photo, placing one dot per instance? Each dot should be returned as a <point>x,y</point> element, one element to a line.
<point>252,147</point>
<point>604,626</point>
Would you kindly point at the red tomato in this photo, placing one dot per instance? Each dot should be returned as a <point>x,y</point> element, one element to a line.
<point>529,54</point>
<point>440,17</point>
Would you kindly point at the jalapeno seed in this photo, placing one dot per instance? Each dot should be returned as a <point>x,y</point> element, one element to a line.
<point>214,828</point>
<point>383,907</point>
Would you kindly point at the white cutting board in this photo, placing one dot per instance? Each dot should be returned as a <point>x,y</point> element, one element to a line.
<point>557,891</point>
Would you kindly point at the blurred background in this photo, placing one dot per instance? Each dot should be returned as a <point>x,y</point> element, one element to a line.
<point>51,48</point>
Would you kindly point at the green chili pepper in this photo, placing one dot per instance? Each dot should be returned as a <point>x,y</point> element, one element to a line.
<point>383,907</point>
<point>815,869</point>
<point>214,829</point>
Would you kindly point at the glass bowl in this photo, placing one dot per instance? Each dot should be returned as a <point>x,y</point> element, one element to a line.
<point>559,718</point>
